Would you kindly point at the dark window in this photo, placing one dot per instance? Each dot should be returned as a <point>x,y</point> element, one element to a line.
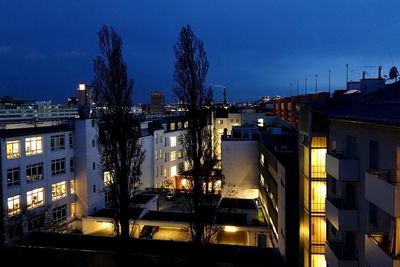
<point>94,188</point>
<point>71,165</point>
<point>93,143</point>
<point>34,172</point>
<point>373,154</point>
<point>12,177</point>
<point>60,213</point>
<point>71,145</point>
<point>94,166</point>
<point>57,166</point>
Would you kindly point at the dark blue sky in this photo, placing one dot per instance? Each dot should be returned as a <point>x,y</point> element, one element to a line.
<point>255,47</point>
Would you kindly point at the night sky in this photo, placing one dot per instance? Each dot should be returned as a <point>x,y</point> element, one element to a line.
<point>255,47</point>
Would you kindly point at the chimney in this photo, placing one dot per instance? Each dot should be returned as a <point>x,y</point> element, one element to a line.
<point>363,75</point>
<point>380,72</point>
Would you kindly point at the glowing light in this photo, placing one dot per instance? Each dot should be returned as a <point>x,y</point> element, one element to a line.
<point>230,229</point>
<point>184,183</point>
<point>82,87</point>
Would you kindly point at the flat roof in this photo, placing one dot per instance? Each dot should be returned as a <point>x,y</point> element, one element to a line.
<point>6,133</point>
<point>142,198</point>
<point>133,213</point>
<point>237,203</point>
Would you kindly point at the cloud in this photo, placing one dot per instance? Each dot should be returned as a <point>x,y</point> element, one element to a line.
<point>72,54</point>
<point>6,50</point>
<point>34,54</point>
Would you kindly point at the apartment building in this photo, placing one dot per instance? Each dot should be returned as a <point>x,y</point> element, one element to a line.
<point>51,169</point>
<point>363,167</point>
<point>312,141</point>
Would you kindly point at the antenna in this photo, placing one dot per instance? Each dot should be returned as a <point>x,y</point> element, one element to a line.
<point>347,74</point>
<point>290,89</point>
<point>329,82</point>
<point>316,83</point>
<point>305,85</point>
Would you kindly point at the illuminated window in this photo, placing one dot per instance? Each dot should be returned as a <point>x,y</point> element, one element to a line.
<point>318,230</point>
<point>318,260</point>
<point>173,155</point>
<point>33,146</point>
<point>73,209</point>
<point>72,187</point>
<point>14,205</point>
<point>57,142</point>
<point>107,178</point>
<point>173,171</point>
<point>34,172</point>
<point>172,126</point>
<point>35,198</point>
<point>186,124</point>
<point>13,149</point>
<point>318,164</point>
<point>180,153</point>
<point>262,158</point>
<point>262,179</point>
<point>260,122</point>
<point>12,177</point>
<point>160,153</point>
<point>58,190</point>
<point>187,165</point>
<point>179,125</point>
<point>318,195</point>
<point>221,122</point>
<point>156,154</point>
<point>60,213</point>
<point>57,166</point>
<point>172,141</point>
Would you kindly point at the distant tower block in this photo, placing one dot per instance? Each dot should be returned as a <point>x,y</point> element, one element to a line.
<point>83,94</point>
<point>225,96</point>
<point>157,102</point>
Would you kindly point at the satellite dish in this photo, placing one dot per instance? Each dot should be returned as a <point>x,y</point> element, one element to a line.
<point>393,73</point>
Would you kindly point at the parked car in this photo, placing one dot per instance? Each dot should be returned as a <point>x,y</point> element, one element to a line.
<point>148,231</point>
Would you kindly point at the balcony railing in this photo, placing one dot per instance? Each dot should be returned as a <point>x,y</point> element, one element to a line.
<point>383,174</point>
<point>341,251</point>
<point>387,245</point>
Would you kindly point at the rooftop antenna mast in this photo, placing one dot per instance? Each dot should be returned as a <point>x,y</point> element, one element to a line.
<point>305,85</point>
<point>329,82</point>
<point>316,83</point>
<point>347,74</point>
<point>291,89</point>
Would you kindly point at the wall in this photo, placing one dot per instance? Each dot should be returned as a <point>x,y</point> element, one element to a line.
<point>239,166</point>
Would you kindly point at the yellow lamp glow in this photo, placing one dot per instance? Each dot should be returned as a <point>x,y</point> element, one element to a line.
<point>230,229</point>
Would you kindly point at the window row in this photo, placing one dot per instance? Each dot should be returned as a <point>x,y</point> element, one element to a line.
<point>34,145</point>
<point>34,172</point>
<point>35,198</point>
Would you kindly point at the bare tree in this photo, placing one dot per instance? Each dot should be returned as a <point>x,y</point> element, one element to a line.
<point>117,133</point>
<point>191,68</point>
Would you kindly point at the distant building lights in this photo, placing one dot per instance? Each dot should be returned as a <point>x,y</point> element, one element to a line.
<point>82,87</point>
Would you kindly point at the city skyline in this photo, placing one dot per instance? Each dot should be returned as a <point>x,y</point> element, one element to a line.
<point>260,48</point>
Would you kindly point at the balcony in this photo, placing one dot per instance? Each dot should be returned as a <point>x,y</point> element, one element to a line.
<point>382,191</point>
<point>344,217</point>
<point>378,252</point>
<point>337,256</point>
<point>342,168</point>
